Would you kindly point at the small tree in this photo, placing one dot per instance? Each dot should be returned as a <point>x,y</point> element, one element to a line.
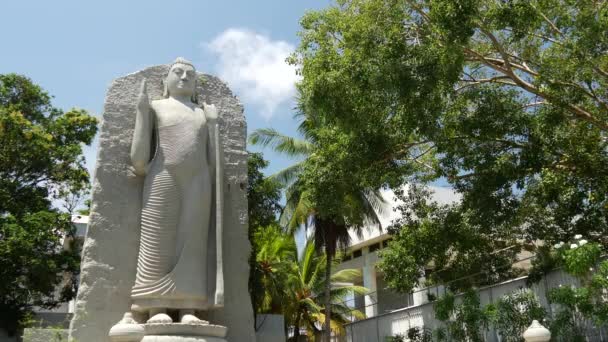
<point>588,301</point>
<point>465,321</point>
<point>514,312</point>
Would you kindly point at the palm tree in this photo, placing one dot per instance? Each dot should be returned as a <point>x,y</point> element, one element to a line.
<point>294,285</point>
<point>275,255</point>
<point>330,234</point>
<point>306,297</point>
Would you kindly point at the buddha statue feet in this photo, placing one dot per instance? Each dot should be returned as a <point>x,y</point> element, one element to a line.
<point>160,318</point>
<point>191,319</point>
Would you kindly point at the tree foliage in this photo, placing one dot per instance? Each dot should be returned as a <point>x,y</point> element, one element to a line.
<point>263,196</point>
<point>513,313</point>
<point>40,161</point>
<point>507,101</point>
<point>464,320</point>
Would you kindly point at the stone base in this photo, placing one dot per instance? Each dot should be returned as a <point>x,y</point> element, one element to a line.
<point>171,338</point>
<point>128,330</point>
<point>181,329</point>
<point>179,332</point>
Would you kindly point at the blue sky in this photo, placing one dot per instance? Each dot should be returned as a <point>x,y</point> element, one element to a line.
<point>73,49</point>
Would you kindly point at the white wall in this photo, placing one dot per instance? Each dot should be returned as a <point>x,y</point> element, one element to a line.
<point>376,329</point>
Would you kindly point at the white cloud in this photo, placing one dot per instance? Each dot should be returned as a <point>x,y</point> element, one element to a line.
<point>254,66</point>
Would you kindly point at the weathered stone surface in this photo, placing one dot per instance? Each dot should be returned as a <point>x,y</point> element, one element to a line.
<point>110,250</point>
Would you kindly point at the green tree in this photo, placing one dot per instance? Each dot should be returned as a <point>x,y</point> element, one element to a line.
<point>40,161</point>
<point>505,100</point>
<point>263,196</point>
<point>320,193</point>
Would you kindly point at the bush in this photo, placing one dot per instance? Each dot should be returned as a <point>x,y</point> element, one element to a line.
<point>514,313</point>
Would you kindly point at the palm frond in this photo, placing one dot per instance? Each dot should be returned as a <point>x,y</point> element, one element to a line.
<point>340,292</point>
<point>346,275</point>
<point>302,211</point>
<point>307,261</point>
<point>288,175</point>
<point>269,137</point>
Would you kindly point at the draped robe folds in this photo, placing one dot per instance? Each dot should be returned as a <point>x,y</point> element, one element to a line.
<point>182,199</point>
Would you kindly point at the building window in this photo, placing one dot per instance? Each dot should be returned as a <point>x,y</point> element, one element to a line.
<point>374,247</point>
<point>347,257</point>
<point>357,253</point>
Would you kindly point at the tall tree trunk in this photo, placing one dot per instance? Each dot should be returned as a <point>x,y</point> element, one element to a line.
<point>296,325</point>
<point>329,259</point>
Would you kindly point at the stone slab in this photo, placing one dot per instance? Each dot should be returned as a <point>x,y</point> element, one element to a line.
<point>166,338</point>
<point>209,330</point>
<point>110,249</point>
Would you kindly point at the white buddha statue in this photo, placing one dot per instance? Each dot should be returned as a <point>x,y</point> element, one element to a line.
<point>176,148</point>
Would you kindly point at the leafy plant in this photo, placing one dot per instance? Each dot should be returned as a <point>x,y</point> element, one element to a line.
<point>464,321</point>
<point>514,312</point>
<point>419,334</point>
<point>588,301</point>
<point>396,338</point>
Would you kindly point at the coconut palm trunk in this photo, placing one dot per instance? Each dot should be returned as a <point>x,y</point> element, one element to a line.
<point>328,234</point>
<point>327,323</point>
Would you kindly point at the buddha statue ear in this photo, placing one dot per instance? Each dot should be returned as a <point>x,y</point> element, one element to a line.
<point>165,89</point>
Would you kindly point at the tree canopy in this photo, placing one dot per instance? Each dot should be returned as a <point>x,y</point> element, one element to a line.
<point>506,101</point>
<point>40,162</point>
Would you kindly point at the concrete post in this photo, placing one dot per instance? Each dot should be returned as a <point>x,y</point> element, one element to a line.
<point>369,281</point>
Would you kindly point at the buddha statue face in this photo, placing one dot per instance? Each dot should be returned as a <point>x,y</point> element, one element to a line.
<point>181,80</point>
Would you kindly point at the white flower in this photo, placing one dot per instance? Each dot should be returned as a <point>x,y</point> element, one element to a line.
<point>582,242</point>
<point>578,236</point>
<point>557,246</point>
<point>561,243</point>
<point>573,246</point>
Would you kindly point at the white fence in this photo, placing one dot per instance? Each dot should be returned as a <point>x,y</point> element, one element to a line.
<point>378,328</point>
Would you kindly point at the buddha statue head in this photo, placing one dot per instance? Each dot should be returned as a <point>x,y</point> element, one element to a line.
<point>181,80</point>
